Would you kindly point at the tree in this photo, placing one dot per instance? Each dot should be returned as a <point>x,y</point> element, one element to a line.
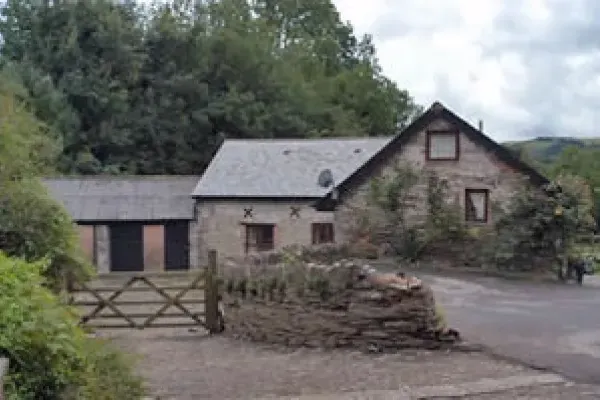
<point>91,51</point>
<point>32,225</point>
<point>585,163</point>
<point>154,90</point>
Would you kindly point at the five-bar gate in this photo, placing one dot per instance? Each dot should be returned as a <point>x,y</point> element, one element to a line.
<point>143,300</point>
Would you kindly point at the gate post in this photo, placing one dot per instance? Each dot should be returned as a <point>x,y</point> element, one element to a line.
<point>211,293</point>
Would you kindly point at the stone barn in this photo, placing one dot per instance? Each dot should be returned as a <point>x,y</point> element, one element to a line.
<point>139,223</point>
<point>262,195</point>
<point>258,195</point>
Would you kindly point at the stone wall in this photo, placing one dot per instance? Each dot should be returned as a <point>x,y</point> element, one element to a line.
<point>221,223</point>
<point>476,168</point>
<point>330,306</point>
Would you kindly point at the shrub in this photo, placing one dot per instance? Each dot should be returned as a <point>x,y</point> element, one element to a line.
<point>33,226</point>
<point>389,218</point>
<point>539,227</point>
<point>50,355</point>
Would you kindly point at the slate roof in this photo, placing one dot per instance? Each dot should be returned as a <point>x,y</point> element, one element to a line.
<point>129,198</point>
<point>283,167</point>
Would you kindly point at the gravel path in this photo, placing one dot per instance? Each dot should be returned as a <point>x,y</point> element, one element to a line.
<point>181,365</point>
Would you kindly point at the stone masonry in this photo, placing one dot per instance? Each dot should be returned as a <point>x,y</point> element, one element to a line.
<point>345,312</point>
<point>221,224</point>
<point>475,169</point>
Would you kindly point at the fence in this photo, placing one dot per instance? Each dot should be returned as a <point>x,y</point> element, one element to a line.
<point>129,298</point>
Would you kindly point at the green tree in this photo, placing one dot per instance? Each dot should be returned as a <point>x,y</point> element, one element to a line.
<point>91,51</point>
<point>155,89</point>
<point>32,225</point>
<point>583,162</point>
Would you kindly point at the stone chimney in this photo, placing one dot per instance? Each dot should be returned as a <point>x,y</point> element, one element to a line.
<point>480,123</point>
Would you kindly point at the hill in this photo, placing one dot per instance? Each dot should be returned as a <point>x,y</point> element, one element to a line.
<point>546,149</point>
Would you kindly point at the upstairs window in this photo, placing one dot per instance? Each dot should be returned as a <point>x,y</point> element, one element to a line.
<point>322,233</point>
<point>476,205</point>
<point>442,145</point>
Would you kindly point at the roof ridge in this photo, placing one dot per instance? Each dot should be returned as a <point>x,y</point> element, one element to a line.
<point>300,140</point>
<point>117,177</point>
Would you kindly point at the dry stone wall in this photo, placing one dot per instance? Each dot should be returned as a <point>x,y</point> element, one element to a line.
<point>334,306</point>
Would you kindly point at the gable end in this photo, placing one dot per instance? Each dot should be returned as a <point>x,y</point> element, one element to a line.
<point>436,111</point>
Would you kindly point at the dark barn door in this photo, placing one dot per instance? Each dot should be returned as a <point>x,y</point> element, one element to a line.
<point>127,247</point>
<point>177,245</point>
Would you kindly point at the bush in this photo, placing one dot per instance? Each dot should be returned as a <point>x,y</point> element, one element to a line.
<point>33,226</point>
<point>387,220</point>
<point>539,227</point>
<point>50,355</point>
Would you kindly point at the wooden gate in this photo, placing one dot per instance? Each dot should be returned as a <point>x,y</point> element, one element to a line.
<point>140,299</point>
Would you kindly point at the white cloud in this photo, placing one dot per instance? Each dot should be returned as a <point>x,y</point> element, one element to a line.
<point>524,67</point>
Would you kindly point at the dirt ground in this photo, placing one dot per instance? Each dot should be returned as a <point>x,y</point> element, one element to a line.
<point>183,365</point>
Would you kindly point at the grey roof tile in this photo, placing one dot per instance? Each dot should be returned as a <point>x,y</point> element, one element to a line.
<point>118,198</point>
<point>283,168</point>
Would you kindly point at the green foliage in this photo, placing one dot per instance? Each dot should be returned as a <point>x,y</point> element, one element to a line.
<point>32,225</point>
<point>50,355</point>
<point>560,156</point>
<point>540,226</point>
<point>124,88</point>
<point>524,236</point>
<point>391,199</point>
<point>25,147</point>
<point>392,193</point>
<point>582,162</point>
<point>444,219</point>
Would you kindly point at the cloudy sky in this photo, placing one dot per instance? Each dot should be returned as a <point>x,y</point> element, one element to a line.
<point>526,67</point>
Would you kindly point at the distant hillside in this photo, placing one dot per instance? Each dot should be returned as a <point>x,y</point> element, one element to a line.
<point>546,149</point>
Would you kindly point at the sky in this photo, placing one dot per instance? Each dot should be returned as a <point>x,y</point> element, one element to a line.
<point>526,68</point>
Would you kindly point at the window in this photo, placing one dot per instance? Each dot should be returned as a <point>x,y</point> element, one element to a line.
<point>259,237</point>
<point>476,205</point>
<point>442,145</point>
<point>322,233</point>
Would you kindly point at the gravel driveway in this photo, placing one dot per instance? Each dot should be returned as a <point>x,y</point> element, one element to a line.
<point>181,365</point>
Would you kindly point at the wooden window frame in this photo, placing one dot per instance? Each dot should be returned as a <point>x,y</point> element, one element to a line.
<point>316,233</point>
<point>486,192</point>
<point>260,247</point>
<point>442,132</point>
